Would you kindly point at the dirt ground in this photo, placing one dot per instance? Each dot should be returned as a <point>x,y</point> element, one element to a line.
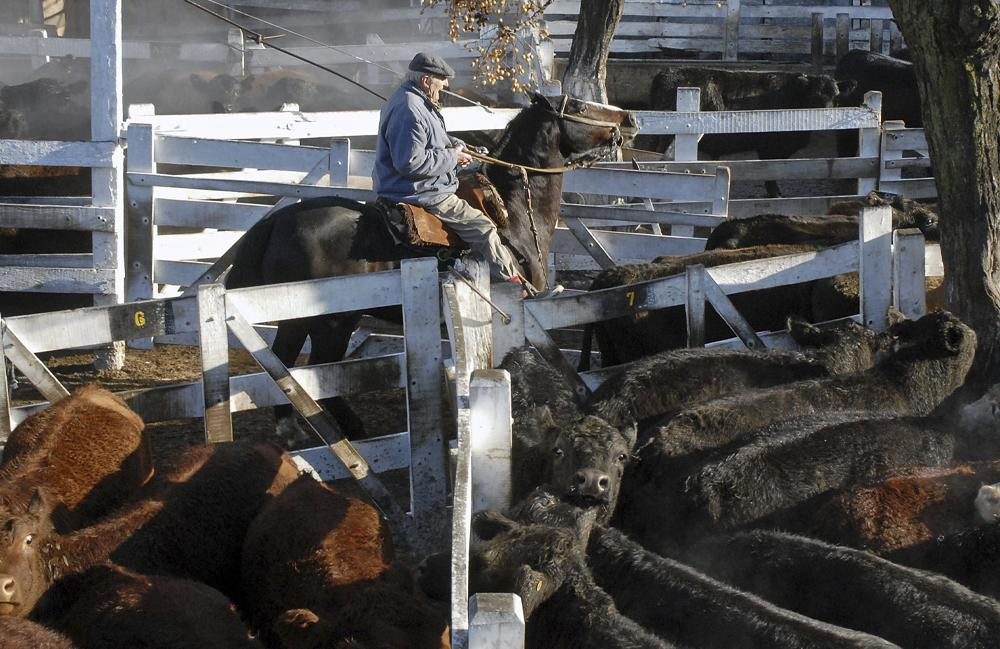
<point>381,412</point>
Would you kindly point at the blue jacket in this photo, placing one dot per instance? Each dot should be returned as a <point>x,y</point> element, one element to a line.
<point>415,161</point>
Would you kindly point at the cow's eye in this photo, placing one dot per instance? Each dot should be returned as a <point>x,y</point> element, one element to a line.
<point>558,452</point>
<point>28,539</point>
<point>622,457</point>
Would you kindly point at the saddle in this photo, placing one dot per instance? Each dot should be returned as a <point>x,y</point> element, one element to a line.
<point>415,226</point>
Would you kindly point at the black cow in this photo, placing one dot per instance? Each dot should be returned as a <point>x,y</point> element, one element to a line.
<point>580,455</point>
<point>893,77</point>
<point>184,93</point>
<point>747,90</point>
<point>544,563</point>
<point>686,606</point>
<point>48,109</point>
<point>657,499</point>
<point>853,589</point>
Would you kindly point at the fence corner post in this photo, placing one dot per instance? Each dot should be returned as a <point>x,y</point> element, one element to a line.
<point>490,423</point>
<point>875,266</point>
<point>213,339</point>
<point>870,139</point>
<point>496,621</point>
<point>909,292</point>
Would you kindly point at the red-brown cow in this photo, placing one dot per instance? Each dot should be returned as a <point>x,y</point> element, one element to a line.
<point>320,567</point>
<point>16,633</point>
<point>110,606</point>
<point>188,523</point>
<point>88,451</point>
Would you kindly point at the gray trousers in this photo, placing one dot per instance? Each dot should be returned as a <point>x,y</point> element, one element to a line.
<point>477,230</point>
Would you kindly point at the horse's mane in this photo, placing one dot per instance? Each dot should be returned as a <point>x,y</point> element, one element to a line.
<point>512,127</point>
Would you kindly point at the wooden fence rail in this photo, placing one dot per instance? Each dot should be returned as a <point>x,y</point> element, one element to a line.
<point>733,30</point>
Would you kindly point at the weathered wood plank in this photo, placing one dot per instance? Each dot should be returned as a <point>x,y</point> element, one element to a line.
<point>57,153</point>
<point>56,217</point>
<point>213,343</point>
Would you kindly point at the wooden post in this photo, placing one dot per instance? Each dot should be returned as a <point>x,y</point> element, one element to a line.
<point>507,336</point>
<point>428,447</point>
<point>895,37</point>
<point>909,293</point>
<point>695,306</point>
<point>107,184</point>
<point>340,161</point>
<point>869,140</point>
<point>877,38</point>
<point>720,197</point>
<point>237,63</point>
<point>490,427</point>
<point>496,621</point>
<point>875,266</point>
<point>885,174</point>
<point>843,34</point>
<point>816,49</point>
<point>40,60</point>
<point>686,146</point>
<point>5,419</point>
<point>731,47</point>
<point>213,338</point>
<point>141,227</point>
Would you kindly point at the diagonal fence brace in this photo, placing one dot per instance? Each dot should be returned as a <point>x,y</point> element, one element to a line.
<point>318,419</point>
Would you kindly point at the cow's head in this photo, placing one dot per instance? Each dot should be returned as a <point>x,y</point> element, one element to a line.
<point>584,462</point>
<point>24,571</point>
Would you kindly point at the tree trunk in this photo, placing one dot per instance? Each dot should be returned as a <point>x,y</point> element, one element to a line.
<point>586,69</point>
<point>956,55</point>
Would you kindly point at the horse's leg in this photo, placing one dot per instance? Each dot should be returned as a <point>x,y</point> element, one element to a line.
<point>329,337</point>
<point>288,342</point>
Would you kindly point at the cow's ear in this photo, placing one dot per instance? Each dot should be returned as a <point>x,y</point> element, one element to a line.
<point>630,431</point>
<point>35,505</point>
<point>198,81</point>
<point>546,423</point>
<point>803,332</point>
<point>488,524</point>
<point>294,626</point>
<point>847,86</point>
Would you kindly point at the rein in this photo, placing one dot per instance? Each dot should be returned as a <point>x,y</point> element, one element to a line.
<point>616,142</point>
<point>510,165</point>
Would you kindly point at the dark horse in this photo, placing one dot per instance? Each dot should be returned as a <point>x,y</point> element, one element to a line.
<point>331,236</point>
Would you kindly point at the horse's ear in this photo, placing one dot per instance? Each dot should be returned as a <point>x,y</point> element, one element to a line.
<point>541,100</point>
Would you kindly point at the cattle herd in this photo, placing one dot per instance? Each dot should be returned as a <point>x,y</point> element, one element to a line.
<point>835,496</point>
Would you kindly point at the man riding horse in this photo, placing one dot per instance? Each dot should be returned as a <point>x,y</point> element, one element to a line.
<point>417,162</point>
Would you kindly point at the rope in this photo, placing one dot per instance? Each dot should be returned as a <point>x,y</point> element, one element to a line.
<point>260,38</point>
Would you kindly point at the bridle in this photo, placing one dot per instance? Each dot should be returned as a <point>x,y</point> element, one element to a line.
<point>616,142</point>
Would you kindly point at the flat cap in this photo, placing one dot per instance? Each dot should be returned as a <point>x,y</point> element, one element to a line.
<point>431,64</point>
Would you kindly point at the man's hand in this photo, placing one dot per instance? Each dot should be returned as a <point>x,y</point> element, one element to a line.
<point>463,157</point>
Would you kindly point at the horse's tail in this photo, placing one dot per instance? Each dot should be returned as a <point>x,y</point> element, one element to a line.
<point>588,335</point>
<point>249,252</point>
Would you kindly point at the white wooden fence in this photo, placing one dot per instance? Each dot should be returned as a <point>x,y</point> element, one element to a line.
<point>892,267</point>
<point>417,369</point>
<point>732,30</point>
<point>206,200</point>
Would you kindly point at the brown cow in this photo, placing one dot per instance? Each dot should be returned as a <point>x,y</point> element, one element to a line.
<point>188,523</point>
<point>16,633</point>
<point>110,606</point>
<point>87,450</point>
<point>321,570</point>
<point>909,505</point>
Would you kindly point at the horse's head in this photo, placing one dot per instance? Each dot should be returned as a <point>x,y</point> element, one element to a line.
<point>589,131</point>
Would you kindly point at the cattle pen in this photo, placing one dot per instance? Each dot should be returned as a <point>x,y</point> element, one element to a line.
<point>152,281</point>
